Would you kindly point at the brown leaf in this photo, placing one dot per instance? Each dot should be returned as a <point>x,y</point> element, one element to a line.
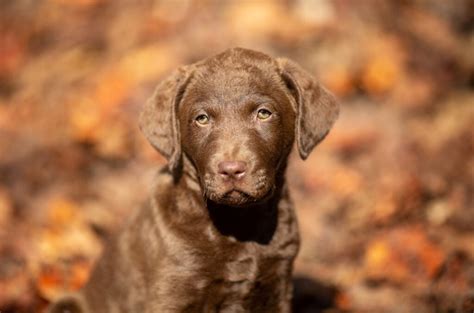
<point>54,280</point>
<point>380,75</point>
<point>6,208</point>
<point>339,79</point>
<point>12,52</point>
<point>385,65</point>
<point>403,255</point>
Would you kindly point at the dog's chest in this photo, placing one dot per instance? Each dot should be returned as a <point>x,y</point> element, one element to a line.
<point>234,282</point>
<point>232,276</point>
<point>211,271</point>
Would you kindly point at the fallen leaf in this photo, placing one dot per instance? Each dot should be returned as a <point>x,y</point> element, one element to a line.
<point>60,278</point>
<point>6,208</point>
<point>402,255</point>
<point>385,65</point>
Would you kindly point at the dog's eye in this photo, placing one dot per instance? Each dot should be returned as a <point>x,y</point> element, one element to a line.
<point>263,114</point>
<point>202,119</point>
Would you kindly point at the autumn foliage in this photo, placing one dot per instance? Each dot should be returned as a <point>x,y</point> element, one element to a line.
<point>385,203</point>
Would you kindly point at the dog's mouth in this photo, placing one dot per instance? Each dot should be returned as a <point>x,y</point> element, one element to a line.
<point>238,198</point>
<point>252,190</point>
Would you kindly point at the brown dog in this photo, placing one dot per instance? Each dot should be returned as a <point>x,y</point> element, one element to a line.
<point>219,233</point>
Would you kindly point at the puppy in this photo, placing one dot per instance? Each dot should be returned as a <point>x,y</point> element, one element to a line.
<point>219,233</point>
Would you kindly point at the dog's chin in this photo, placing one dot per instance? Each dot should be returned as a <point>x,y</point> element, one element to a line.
<point>238,198</point>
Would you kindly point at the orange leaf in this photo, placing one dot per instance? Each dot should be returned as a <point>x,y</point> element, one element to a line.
<point>403,254</point>
<point>380,75</point>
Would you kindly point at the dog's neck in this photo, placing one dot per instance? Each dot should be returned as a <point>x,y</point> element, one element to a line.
<point>253,223</point>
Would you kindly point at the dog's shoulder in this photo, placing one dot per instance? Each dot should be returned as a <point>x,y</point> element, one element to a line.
<point>163,183</point>
<point>166,189</point>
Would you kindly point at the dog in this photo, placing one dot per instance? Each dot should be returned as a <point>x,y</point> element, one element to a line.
<point>219,233</point>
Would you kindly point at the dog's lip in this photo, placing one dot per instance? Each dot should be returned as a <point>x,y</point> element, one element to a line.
<point>239,198</point>
<point>234,193</point>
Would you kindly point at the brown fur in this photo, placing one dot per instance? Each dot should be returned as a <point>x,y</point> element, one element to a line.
<point>213,238</point>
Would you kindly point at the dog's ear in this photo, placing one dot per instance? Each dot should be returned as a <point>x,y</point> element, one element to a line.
<point>158,120</point>
<point>316,108</point>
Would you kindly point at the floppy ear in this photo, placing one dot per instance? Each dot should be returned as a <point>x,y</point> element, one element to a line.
<point>316,108</point>
<point>158,120</point>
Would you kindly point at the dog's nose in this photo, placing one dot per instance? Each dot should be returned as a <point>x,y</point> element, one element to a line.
<point>232,169</point>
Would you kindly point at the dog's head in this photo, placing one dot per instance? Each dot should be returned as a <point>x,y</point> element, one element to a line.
<point>235,116</point>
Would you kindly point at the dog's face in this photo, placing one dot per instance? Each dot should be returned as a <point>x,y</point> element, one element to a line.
<point>237,128</point>
<point>235,116</point>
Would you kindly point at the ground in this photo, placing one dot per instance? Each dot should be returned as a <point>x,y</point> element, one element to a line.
<point>385,203</point>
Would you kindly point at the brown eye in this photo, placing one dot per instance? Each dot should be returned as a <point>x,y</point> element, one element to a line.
<point>263,114</point>
<point>202,119</point>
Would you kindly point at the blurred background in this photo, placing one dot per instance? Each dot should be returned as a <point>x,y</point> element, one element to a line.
<point>385,203</point>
